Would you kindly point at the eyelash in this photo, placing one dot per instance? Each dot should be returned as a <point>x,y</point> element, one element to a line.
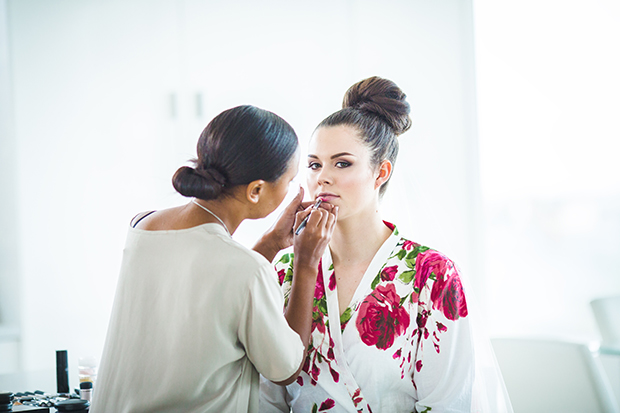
<point>315,165</point>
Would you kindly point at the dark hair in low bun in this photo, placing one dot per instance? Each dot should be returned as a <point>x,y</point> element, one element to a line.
<point>192,182</point>
<point>238,146</point>
<point>378,109</point>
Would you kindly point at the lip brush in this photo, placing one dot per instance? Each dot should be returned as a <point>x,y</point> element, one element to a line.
<point>303,223</point>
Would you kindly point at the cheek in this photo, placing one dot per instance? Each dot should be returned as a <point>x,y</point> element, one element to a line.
<point>311,181</point>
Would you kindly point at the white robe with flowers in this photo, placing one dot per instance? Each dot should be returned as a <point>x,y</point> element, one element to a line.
<point>404,344</point>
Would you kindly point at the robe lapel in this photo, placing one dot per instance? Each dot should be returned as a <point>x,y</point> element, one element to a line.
<point>358,402</point>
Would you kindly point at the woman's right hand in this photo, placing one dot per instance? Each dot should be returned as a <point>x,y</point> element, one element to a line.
<point>310,244</point>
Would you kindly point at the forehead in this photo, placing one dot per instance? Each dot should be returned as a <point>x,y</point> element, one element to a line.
<point>336,139</point>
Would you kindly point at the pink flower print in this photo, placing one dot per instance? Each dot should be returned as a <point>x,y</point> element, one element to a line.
<point>281,274</point>
<point>300,380</point>
<point>388,273</point>
<point>332,281</point>
<point>327,405</point>
<point>441,327</point>
<point>381,317</point>
<point>447,296</point>
<point>409,245</point>
<point>357,397</point>
<point>390,225</point>
<point>314,373</point>
<point>317,323</point>
<point>427,263</point>
<point>319,289</point>
<point>418,365</point>
<point>334,373</point>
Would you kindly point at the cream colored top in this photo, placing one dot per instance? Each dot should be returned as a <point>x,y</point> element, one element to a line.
<point>196,318</point>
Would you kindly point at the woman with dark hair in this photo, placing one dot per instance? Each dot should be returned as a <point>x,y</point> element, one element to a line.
<point>196,315</point>
<point>391,326</point>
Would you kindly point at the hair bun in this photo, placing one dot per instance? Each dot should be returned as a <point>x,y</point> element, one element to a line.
<point>202,184</point>
<point>380,97</point>
<point>211,174</point>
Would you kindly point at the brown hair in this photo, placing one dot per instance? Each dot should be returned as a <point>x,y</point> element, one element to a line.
<point>378,109</point>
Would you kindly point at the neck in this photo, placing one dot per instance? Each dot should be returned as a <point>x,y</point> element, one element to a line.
<point>227,209</point>
<point>357,239</point>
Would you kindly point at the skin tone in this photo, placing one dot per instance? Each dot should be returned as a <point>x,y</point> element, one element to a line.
<point>341,173</point>
<point>257,200</point>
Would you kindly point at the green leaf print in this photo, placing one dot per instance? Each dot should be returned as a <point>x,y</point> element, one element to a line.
<point>375,281</point>
<point>331,267</point>
<point>407,276</point>
<point>286,258</point>
<point>346,316</point>
<point>288,277</point>
<point>323,305</point>
<point>402,300</point>
<point>401,254</point>
<point>315,408</point>
<point>428,409</point>
<point>419,249</point>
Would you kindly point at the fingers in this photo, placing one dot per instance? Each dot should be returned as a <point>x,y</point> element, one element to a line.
<point>322,218</point>
<point>295,203</point>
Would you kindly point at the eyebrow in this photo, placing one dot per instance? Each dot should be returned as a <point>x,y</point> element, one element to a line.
<point>338,155</point>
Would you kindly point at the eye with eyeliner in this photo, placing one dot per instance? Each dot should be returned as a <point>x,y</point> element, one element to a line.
<point>339,164</point>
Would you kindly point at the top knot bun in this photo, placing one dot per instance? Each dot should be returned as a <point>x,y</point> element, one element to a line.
<point>380,97</point>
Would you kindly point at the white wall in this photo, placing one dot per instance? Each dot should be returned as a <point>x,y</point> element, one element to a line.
<point>9,249</point>
<point>549,99</point>
<point>97,139</point>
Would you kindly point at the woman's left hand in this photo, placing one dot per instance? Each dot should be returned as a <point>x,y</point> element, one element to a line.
<point>280,235</point>
<point>282,230</point>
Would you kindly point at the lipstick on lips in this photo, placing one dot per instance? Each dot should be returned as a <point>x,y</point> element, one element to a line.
<point>305,220</point>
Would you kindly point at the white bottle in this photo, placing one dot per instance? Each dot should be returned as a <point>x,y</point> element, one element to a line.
<point>86,390</point>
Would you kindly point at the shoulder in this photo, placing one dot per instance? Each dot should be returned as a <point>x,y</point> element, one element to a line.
<point>435,277</point>
<point>422,256</point>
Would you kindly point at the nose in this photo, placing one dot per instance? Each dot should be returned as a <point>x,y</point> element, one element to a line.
<point>324,177</point>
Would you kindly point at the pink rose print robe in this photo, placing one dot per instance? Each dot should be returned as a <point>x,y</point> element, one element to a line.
<point>403,344</point>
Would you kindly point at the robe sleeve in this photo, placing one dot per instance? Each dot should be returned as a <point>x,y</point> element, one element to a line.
<point>443,372</point>
<point>272,346</point>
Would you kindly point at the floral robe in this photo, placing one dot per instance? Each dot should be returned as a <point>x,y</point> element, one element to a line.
<point>402,345</point>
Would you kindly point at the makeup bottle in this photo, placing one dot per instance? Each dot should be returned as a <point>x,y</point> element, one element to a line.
<point>86,390</point>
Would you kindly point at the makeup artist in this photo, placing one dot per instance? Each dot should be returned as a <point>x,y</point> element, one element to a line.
<point>197,316</point>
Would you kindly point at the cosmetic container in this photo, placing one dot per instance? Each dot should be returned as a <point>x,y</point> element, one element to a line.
<point>73,405</point>
<point>6,402</point>
<point>86,390</point>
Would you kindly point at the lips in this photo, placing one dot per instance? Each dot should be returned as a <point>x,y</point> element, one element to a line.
<point>327,197</point>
